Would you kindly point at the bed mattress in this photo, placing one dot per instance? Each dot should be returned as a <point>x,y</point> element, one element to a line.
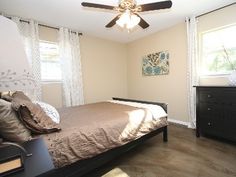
<point>92,129</point>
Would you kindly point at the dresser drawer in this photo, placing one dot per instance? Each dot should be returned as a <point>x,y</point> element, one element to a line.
<point>209,96</point>
<point>207,126</point>
<point>211,126</point>
<point>230,118</point>
<point>210,109</point>
<point>230,97</point>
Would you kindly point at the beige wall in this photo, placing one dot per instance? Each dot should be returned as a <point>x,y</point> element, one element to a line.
<point>217,19</point>
<point>103,69</point>
<point>169,88</point>
<point>52,94</point>
<point>48,34</point>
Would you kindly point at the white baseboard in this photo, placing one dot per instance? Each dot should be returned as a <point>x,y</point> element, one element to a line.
<point>178,122</point>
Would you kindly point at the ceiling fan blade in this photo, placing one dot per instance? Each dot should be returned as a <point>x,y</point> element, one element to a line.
<point>142,22</point>
<point>101,6</point>
<point>156,6</point>
<point>113,22</point>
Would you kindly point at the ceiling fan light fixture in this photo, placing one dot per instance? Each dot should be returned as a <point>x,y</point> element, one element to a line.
<point>134,21</point>
<point>128,20</point>
<point>124,18</point>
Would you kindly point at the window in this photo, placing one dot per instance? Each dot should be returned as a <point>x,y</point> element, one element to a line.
<point>50,61</point>
<point>218,51</point>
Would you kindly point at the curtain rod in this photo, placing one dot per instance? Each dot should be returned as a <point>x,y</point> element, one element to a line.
<point>56,28</point>
<point>47,26</point>
<point>215,10</point>
<point>52,27</point>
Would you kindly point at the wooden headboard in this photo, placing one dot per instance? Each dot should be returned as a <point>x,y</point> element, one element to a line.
<point>163,105</point>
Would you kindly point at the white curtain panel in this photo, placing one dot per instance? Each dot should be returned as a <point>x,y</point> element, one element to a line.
<point>30,37</point>
<point>69,47</point>
<point>192,64</point>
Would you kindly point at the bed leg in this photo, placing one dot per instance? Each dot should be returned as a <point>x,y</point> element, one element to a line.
<point>165,134</point>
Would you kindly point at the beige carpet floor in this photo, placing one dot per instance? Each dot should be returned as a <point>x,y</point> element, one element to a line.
<point>183,155</point>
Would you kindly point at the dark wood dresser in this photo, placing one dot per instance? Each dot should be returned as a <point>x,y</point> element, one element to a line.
<point>216,111</point>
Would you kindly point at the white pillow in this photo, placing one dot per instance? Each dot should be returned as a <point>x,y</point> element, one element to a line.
<point>49,110</point>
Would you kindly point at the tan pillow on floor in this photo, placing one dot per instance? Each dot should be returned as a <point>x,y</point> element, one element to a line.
<point>11,128</point>
<point>33,115</point>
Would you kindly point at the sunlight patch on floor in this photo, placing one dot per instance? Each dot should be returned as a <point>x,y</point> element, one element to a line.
<point>116,172</point>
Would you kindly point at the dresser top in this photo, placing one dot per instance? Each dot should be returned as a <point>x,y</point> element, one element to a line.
<point>215,86</point>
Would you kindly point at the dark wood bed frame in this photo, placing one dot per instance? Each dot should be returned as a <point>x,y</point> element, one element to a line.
<point>82,167</point>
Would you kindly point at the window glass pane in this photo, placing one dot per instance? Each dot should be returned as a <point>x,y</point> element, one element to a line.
<point>50,61</point>
<point>219,51</point>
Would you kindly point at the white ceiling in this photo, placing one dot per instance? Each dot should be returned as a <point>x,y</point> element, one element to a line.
<point>69,13</point>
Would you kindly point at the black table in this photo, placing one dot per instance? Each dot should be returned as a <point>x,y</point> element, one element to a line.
<point>40,162</point>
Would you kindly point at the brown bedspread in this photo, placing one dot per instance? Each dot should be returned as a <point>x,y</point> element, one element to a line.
<point>91,129</point>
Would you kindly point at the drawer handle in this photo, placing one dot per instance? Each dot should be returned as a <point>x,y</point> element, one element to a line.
<point>209,124</point>
<point>208,109</point>
<point>209,96</point>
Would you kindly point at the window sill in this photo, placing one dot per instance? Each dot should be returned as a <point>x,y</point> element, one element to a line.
<point>214,76</point>
<point>51,81</point>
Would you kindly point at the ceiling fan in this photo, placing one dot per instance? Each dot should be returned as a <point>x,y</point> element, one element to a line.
<point>128,10</point>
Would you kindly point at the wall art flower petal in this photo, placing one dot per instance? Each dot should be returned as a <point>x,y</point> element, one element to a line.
<point>156,64</point>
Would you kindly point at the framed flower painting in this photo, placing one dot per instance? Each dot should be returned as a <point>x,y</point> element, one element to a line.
<point>156,64</point>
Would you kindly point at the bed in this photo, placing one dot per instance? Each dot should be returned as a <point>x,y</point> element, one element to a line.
<point>109,138</point>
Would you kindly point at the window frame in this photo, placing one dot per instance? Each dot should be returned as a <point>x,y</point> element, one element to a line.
<point>43,80</point>
<point>201,58</point>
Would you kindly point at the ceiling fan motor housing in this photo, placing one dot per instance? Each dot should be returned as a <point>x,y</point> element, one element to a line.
<point>127,4</point>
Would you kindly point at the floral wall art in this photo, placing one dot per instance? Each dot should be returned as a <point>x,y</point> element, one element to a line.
<point>156,64</point>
